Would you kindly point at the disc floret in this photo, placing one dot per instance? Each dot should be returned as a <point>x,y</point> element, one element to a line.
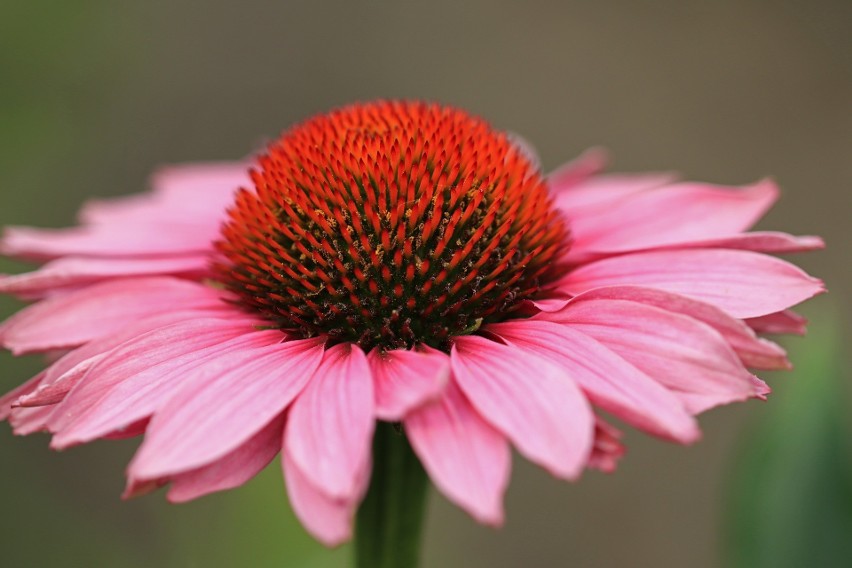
<point>390,224</point>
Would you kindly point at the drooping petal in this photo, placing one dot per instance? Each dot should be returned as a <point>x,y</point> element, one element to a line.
<point>753,351</point>
<point>466,458</point>
<point>68,370</point>
<point>782,322</point>
<point>232,470</point>
<point>405,379</point>
<point>742,283</point>
<point>68,272</point>
<point>330,427</point>
<point>125,386</point>
<point>327,519</point>
<point>539,408</point>
<point>101,309</point>
<point>610,382</point>
<point>223,407</point>
<point>687,356</point>
<point>671,214</point>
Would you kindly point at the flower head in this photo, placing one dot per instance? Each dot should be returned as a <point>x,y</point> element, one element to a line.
<point>400,262</point>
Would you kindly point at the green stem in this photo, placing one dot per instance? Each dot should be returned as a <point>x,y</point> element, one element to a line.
<point>390,520</point>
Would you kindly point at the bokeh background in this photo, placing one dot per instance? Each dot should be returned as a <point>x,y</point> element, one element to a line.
<point>94,94</point>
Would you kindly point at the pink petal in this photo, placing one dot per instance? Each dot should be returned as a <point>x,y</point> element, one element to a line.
<point>684,354</point>
<point>608,448</point>
<point>603,192</point>
<point>192,196</point>
<point>101,309</point>
<point>127,385</point>
<point>466,458</point>
<point>181,216</point>
<point>202,186</point>
<point>72,271</point>
<point>331,423</point>
<point>608,380</point>
<point>218,410</point>
<point>405,379</point>
<point>744,284</point>
<point>579,170</point>
<point>26,421</point>
<point>760,241</point>
<point>669,215</point>
<point>130,431</point>
<point>752,350</point>
<point>785,321</point>
<point>232,470</point>
<point>10,397</point>
<point>155,238</point>
<point>328,519</point>
<point>118,210</point>
<point>67,371</point>
<point>530,400</point>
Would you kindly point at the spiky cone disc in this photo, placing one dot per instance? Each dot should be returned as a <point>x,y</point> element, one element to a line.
<point>390,224</point>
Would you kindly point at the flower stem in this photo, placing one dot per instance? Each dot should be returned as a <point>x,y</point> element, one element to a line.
<point>390,520</point>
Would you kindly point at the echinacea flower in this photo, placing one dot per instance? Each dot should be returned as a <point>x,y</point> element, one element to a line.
<point>404,263</point>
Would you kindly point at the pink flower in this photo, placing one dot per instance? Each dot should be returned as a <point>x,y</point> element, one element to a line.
<point>398,262</point>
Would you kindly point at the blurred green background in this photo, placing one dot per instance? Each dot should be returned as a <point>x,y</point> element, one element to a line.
<point>95,94</point>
